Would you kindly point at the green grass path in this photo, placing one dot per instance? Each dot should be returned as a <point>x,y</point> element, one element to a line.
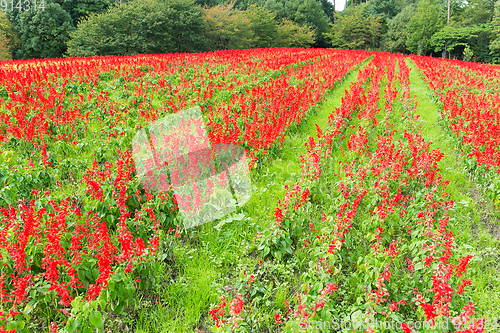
<point>206,264</point>
<point>469,216</point>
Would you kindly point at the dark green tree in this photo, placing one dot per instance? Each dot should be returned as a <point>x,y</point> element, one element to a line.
<point>327,8</point>
<point>13,14</point>
<point>44,33</point>
<point>457,8</point>
<point>79,9</point>
<point>209,2</point>
<point>495,36</point>
<point>385,9</point>
<point>308,13</point>
<point>397,32</point>
<point>303,12</point>
<point>140,27</point>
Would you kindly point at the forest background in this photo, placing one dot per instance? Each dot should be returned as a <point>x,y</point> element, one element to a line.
<point>457,29</point>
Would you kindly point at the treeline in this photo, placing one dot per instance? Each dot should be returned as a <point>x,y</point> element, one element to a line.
<point>459,29</point>
<point>113,27</point>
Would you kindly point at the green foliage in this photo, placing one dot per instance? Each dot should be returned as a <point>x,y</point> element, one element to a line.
<point>291,34</point>
<point>495,44</point>
<point>468,54</point>
<point>425,23</point>
<point>227,28</point>
<point>328,9</point>
<point>311,13</point>
<point>385,9</point>
<point>397,32</point>
<point>455,40</point>
<point>103,28</point>
<point>263,26</point>
<point>457,8</point>
<point>150,26</point>
<point>79,9</point>
<point>8,37</point>
<point>13,14</point>
<point>308,13</point>
<point>231,28</point>
<point>210,2</point>
<point>355,30</point>
<point>44,33</point>
<point>477,12</point>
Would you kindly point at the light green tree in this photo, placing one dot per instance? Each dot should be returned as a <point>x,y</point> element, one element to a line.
<point>227,28</point>
<point>291,34</point>
<point>495,44</point>
<point>8,38</point>
<point>425,23</point>
<point>355,30</point>
<point>263,25</point>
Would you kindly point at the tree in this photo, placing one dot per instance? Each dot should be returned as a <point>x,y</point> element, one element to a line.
<point>8,38</point>
<point>227,28</point>
<point>140,27</point>
<point>354,30</point>
<point>456,40</point>
<point>477,12</point>
<point>263,26</point>
<point>309,13</point>
<point>385,9</point>
<point>303,12</point>
<point>456,7</point>
<point>328,8</point>
<point>44,33</point>
<point>495,44</point>
<point>425,23</point>
<point>79,9</point>
<point>291,34</point>
<point>397,32</point>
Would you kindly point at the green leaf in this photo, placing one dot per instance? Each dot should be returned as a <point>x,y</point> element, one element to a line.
<point>131,291</point>
<point>95,319</point>
<point>12,325</point>
<point>74,325</point>
<point>95,273</point>
<point>266,250</point>
<point>298,230</point>
<point>118,308</point>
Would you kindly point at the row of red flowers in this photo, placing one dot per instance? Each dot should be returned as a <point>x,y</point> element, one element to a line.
<point>71,122</point>
<point>389,189</point>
